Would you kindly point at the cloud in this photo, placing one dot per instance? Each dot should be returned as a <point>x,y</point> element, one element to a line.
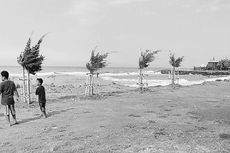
<point>204,5</point>
<point>84,7</point>
<point>186,5</point>
<point>212,5</point>
<point>120,2</point>
<point>92,6</point>
<point>91,12</point>
<point>86,12</point>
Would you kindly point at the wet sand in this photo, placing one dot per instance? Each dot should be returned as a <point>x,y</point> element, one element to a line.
<point>194,119</point>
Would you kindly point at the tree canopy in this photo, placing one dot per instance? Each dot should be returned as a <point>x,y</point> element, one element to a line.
<point>30,58</point>
<point>97,61</point>
<point>175,62</point>
<point>146,58</point>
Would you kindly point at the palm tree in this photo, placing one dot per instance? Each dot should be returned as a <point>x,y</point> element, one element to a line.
<point>31,61</point>
<point>144,61</point>
<point>175,62</point>
<point>96,62</point>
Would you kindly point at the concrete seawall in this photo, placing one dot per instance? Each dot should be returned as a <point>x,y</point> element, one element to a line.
<point>196,72</point>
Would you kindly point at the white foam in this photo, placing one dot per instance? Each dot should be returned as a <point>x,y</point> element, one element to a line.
<point>15,75</point>
<point>84,73</point>
<point>130,82</point>
<point>119,74</point>
<point>52,73</point>
<point>71,73</point>
<point>220,78</point>
<point>118,80</point>
<point>152,72</point>
<point>183,82</point>
<point>133,82</point>
<point>129,73</point>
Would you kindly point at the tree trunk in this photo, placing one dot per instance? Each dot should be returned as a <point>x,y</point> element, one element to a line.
<point>177,77</point>
<point>89,85</point>
<point>173,76</point>
<point>141,79</point>
<point>28,87</point>
<point>24,84</point>
<point>54,78</point>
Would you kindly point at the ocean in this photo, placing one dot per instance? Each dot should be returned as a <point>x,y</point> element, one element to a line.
<point>123,76</point>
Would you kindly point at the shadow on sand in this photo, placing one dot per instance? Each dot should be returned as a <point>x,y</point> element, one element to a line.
<point>48,115</point>
<point>58,112</point>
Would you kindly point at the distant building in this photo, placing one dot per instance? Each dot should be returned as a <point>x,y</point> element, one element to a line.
<point>200,68</point>
<point>212,65</point>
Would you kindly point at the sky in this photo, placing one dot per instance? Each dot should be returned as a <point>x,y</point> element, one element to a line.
<point>196,29</point>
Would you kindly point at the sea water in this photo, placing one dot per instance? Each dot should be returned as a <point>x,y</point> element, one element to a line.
<point>123,76</point>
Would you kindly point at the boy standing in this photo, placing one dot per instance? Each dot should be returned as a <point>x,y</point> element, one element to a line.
<point>8,90</point>
<point>40,92</point>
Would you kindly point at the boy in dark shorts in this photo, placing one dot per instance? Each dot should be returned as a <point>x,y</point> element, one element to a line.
<point>8,91</point>
<point>40,92</point>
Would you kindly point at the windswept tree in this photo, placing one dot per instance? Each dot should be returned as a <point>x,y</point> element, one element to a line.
<point>175,62</point>
<point>97,61</point>
<point>31,62</point>
<point>145,59</point>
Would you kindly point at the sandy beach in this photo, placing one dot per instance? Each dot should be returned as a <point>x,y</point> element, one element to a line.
<point>115,76</point>
<point>192,119</point>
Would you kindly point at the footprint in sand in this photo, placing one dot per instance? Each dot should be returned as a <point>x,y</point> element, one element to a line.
<point>54,127</point>
<point>76,138</point>
<point>188,123</point>
<point>176,114</point>
<point>144,127</point>
<point>49,129</point>
<point>167,110</point>
<point>58,137</point>
<point>201,128</point>
<point>134,115</point>
<point>131,126</point>
<point>150,112</point>
<point>224,136</point>
<point>62,129</point>
<point>70,133</point>
<point>151,121</point>
<point>82,138</point>
<point>193,115</point>
<point>37,114</point>
<point>6,144</point>
<point>86,112</point>
<point>222,122</point>
<point>28,138</point>
<point>163,116</point>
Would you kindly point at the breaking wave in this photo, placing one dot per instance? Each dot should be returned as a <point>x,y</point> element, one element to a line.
<point>84,73</point>
<point>130,78</point>
<point>154,82</point>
